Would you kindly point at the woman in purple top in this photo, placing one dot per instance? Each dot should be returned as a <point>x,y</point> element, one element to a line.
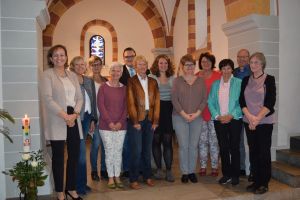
<point>257,100</point>
<point>112,123</point>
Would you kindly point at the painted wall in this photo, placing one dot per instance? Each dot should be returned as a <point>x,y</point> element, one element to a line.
<point>289,112</point>
<point>201,23</point>
<point>2,164</point>
<point>181,32</point>
<point>134,31</point>
<point>218,37</point>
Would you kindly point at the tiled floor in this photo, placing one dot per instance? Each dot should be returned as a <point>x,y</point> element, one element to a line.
<point>206,189</point>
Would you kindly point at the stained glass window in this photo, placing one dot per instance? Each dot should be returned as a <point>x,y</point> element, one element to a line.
<point>97,47</point>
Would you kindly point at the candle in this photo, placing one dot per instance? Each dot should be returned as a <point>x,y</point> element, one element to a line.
<point>26,134</point>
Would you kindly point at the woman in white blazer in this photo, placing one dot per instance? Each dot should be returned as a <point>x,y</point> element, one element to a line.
<point>62,101</point>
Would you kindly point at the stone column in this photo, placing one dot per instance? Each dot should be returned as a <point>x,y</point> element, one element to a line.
<point>22,22</point>
<point>257,33</point>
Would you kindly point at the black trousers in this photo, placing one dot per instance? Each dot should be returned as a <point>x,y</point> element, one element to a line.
<point>57,146</point>
<point>259,141</point>
<point>229,142</point>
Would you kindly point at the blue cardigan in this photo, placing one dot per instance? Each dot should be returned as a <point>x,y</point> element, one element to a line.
<point>234,108</point>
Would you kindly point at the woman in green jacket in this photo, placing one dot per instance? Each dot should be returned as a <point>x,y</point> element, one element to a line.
<point>223,103</point>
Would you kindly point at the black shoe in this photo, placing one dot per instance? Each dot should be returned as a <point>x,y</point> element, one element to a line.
<point>235,181</point>
<point>125,174</point>
<point>193,178</point>
<point>95,176</point>
<point>68,194</point>
<point>261,190</point>
<point>251,188</point>
<point>185,178</point>
<point>250,177</point>
<point>104,175</point>
<point>224,180</point>
<point>242,172</point>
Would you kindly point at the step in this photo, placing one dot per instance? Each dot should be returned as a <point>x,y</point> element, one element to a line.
<point>286,173</point>
<point>295,143</point>
<point>288,156</point>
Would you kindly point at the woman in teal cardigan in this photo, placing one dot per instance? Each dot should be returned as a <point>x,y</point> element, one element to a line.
<point>223,103</point>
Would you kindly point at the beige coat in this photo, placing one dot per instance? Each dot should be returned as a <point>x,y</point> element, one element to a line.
<point>54,100</point>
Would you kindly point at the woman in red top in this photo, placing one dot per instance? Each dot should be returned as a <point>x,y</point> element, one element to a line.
<point>208,136</point>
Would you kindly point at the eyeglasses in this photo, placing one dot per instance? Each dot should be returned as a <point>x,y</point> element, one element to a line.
<point>255,63</point>
<point>189,65</point>
<point>243,57</point>
<point>129,57</point>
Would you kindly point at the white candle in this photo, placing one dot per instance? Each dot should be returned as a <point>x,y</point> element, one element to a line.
<point>26,133</point>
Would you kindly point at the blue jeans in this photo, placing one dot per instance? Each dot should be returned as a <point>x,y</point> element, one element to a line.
<point>140,142</point>
<point>81,169</point>
<point>95,149</point>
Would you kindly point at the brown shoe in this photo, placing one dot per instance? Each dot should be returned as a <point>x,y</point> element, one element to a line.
<point>150,182</point>
<point>135,186</point>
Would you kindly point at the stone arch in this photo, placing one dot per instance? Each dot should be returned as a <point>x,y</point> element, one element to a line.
<point>110,28</point>
<point>145,7</point>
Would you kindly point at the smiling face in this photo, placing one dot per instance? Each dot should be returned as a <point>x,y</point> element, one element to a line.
<point>226,72</point>
<point>243,58</point>
<point>116,72</point>
<point>188,68</point>
<point>79,67</point>
<point>256,65</point>
<point>59,58</point>
<point>206,64</point>
<point>162,65</point>
<point>128,57</point>
<point>141,67</point>
<point>96,67</point>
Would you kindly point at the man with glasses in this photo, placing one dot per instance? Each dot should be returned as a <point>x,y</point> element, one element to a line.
<point>240,72</point>
<point>128,69</point>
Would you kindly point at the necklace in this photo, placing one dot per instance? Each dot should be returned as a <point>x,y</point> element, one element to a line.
<point>258,76</point>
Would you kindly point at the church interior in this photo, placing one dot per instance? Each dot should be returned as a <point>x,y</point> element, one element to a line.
<point>29,28</point>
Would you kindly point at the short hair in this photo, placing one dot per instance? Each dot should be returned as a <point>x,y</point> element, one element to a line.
<point>260,56</point>
<point>139,58</point>
<point>226,62</point>
<point>209,57</point>
<point>155,69</point>
<point>94,59</point>
<point>50,54</point>
<point>73,61</point>
<point>116,65</point>
<point>247,51</point>
<point>187,58</point>
<point>129,49</point>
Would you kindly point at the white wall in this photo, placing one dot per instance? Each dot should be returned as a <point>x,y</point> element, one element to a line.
<point>289,98</point>
<point>2,164</point>
<point>131,27</point>
<point>218,37</point>
<point>181,32</point>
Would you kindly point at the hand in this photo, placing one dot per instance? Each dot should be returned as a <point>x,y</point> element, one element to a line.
<point>137,126</point>
<point>252,127</point>
<point>118,126</point>
<point>112,126</point>
<point>92,127</point>
<point>226,119</point>
<point>185,116</point>
<point>154,126</point>
<point>193,116</point>
<point>70,123</point>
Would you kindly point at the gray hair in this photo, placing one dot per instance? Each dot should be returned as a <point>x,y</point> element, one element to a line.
<point>115,65</point>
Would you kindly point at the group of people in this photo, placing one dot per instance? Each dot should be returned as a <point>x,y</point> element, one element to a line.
<point>136,112</point>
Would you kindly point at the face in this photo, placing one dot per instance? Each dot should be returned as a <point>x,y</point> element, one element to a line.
<point>188,68</point>
<point>141,67</point>
<point>162,65</point>
<point>226,71</point>
<point>115,73</point>
<point>79,67</point>
<point>96,67</point>
<point>128,57</point>
<point>59,57</point>
<point>256,65</point>
<point>206,64</point>
<point>242,58</point>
